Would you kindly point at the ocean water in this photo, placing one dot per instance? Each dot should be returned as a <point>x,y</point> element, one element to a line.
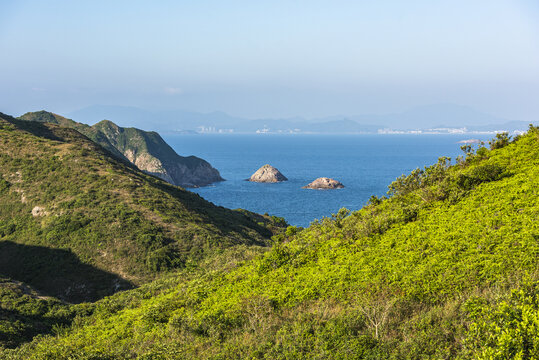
<point>365,164</point>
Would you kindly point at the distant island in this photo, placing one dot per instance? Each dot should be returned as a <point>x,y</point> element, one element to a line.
<point>470,141</point>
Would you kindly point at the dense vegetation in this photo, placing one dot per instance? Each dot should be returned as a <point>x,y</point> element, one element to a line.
<point>24,313</point>
<point>78,224</point>
<point>445,267</point>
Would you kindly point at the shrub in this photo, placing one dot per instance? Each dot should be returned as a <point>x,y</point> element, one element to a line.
<point>4,185</point>
<point>506,330</point>
<point>163,259</point>
<point>480,174</point>
<point>501,140</point>
<point>291,231</point>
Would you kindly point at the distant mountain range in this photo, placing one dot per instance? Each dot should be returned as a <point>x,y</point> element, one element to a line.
<point>438,116</point>
<point>214,122</point>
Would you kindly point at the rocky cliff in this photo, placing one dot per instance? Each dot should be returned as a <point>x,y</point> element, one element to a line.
<point>146,150</point>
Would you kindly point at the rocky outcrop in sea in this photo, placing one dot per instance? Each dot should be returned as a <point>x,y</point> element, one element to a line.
<point>267,174</point>
<point>324,183</point>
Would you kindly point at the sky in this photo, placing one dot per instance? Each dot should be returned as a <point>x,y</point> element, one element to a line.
<point>275,58</point>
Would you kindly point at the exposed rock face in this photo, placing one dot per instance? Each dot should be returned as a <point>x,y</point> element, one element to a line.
<point>267,174</point>
<point>39,211</point>
<point>145,149</point>
<point>149,152</point>
<point>324,183</point>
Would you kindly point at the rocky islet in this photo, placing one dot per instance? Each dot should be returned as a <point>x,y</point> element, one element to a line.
<point>324,183</point>
<point>267,174</point>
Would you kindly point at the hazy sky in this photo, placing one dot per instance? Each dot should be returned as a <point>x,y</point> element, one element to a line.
<point>271,58</point>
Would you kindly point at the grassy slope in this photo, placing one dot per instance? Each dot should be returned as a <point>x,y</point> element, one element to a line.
<point>444,269</point>
<point>25,313</point>
<point>103,225</point>
<point>89,131</point>
<point>119,141</point>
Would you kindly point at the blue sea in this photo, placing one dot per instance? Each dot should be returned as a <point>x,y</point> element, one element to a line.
<point>365,164</point>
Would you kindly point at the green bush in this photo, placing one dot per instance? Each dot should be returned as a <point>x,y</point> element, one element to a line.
<point>502,139</point>
<point>507,329</point>
<point>480,174</point>
<point>4,185</point>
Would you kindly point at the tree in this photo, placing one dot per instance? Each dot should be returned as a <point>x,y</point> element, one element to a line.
<point>376,308</point>
<point>502,139</point>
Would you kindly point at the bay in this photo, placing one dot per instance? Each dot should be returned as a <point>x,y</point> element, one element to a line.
<point>365,164</point>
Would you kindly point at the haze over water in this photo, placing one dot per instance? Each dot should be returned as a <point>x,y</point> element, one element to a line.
<point>365,164</point>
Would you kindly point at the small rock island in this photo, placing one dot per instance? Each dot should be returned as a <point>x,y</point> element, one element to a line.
<point>267,174</point>
<point>324,183</point>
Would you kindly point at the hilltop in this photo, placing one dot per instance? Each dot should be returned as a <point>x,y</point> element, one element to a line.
<point>145,149</point>
<point>445,267</point>
<point>76,223</point>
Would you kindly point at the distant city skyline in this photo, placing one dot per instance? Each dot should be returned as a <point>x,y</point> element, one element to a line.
<point>271,58</point>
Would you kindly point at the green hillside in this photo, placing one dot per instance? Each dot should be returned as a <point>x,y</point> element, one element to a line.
<point>90,132</point>
<point>78,224</point>
<point>145,149</point>
<point>446,268</point>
